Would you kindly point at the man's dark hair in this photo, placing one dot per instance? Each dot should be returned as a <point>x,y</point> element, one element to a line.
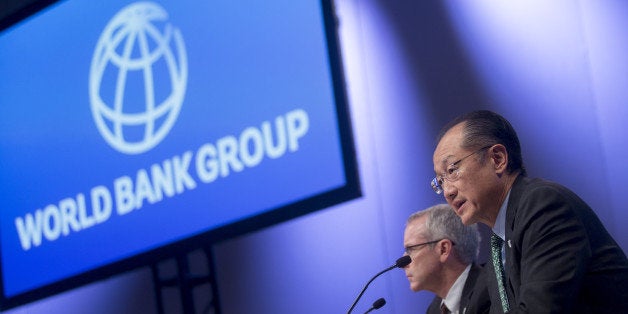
<point>484,128</point>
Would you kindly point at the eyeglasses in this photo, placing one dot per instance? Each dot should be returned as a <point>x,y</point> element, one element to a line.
<point>410,248</point>
<point>452,173</point>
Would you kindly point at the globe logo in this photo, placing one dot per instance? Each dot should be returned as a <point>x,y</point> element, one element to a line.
<point>137,78</point>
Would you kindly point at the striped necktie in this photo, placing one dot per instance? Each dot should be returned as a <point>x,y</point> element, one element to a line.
<point>496,254</point>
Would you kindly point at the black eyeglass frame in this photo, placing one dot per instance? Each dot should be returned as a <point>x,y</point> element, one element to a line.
<point>409,248</point>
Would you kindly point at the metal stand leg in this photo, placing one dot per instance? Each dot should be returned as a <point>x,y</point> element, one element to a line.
<point>187,282</point>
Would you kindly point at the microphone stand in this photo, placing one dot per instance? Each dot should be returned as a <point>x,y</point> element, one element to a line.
<point>401,262</point>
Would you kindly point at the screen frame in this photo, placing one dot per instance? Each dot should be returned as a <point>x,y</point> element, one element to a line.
<point>20,13</point>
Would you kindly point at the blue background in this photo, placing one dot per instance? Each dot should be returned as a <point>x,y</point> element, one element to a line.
<point>557,69</point>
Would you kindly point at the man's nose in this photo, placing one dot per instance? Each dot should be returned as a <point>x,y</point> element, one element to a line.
<point>449,191</point>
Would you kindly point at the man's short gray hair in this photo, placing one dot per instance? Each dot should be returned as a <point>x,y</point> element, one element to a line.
<point>443,223</point>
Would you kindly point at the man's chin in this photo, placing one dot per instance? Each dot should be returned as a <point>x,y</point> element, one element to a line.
<point>467,219</point>
<point>415,288</point>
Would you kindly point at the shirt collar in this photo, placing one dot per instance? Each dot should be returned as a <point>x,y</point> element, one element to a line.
<point>500,223</point>
<point>452,301</point>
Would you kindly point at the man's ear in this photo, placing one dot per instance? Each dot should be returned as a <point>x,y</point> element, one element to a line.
<point>444,249</point>
<point>498,156</point>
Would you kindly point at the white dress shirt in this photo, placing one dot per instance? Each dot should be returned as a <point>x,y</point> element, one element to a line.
<point>452,300</point>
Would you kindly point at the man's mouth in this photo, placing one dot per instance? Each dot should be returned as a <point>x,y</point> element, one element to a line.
<point>456,205</point>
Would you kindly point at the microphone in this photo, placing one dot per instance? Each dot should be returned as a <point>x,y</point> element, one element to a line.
<point>376,305</point>
<point>401,263</point>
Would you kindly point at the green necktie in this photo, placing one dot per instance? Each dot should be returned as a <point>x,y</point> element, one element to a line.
<point>496,254</point>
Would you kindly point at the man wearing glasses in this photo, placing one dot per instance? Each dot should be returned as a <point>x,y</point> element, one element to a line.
<point>549,251</point>
<point>443,252</point>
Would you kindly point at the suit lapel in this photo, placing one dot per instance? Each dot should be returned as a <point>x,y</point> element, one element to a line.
<point>469,285</point>
<point>512,267</point>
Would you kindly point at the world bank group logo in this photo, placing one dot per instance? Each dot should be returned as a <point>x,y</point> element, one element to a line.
<point>137,78</point>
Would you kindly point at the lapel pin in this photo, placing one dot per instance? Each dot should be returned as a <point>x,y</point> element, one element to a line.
<point>509,244</point>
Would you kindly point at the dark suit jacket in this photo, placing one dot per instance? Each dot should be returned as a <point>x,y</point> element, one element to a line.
<point>474,298</point>
<point>559,256</point>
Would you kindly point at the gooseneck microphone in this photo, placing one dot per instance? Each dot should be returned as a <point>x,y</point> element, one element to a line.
<point>376,305</point>
<point>401,263</point>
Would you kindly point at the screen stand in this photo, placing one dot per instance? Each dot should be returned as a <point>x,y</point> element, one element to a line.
<point>192,274</point>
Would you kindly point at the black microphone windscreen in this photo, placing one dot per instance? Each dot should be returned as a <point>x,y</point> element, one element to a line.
<point>379,303</point>
<point>403,261</point>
